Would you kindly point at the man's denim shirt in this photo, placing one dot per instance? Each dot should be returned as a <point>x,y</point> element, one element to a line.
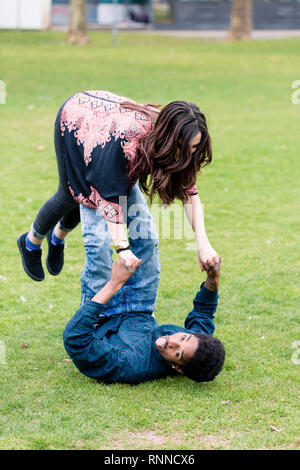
<point>121,348</point>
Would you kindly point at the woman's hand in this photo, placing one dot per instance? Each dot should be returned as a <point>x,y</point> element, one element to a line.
<point>129,258</point>
<point>207,257</point>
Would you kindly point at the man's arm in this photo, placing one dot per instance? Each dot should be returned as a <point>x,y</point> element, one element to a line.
<point>91,356</point>
<point>205,304</point>
<point>118,276</point>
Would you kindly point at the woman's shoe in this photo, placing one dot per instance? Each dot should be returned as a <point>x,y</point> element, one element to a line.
<point>32,260</point>
<point>55,257</point>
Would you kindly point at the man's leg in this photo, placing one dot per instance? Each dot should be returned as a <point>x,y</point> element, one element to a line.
<point>143,239</point>
<point>139,293</point>
<point>97,244</point>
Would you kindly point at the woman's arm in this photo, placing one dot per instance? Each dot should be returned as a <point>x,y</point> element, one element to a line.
<point>118,234</point>
<point>120,241</point>
<point>194,211</point>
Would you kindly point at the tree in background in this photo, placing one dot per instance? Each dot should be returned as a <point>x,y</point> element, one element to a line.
<point>241,20</point>
<point>77,27</point>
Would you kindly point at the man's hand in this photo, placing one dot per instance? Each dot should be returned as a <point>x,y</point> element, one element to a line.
<point>129,258</point>
<point>213,276</point>
<point>120,273</point>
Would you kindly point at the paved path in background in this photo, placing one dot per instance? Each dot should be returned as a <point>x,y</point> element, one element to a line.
<point>256,34</point>
<point>210,34</point>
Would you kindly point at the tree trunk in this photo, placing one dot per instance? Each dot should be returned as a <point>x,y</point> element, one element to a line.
<point>172,5</point>
<point>77,27</point>
<point>241,20</point>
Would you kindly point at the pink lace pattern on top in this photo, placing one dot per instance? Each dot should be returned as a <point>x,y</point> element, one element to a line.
<point>110,211</point>
<point>96,118</point>
<point>96,121</point>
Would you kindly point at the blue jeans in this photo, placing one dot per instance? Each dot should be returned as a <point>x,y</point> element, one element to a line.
<point>140,291</point>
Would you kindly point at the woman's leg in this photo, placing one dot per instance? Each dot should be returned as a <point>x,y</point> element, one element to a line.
<point>61,206</point>
<point>55,238</point>
<point>68,222</point>
<point>56,209</point>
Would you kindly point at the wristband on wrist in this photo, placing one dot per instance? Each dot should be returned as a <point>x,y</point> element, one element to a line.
<point>123,244</point>
<point>119,250</point>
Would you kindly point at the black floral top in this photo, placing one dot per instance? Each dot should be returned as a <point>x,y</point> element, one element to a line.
<point>100,140</point>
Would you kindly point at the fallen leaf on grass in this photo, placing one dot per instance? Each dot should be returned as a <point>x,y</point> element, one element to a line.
<point>68,360</point>
<point>274,429</point>
<point>24,346</point>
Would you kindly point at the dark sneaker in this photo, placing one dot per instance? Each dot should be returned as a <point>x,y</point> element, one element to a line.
<point>55,258</point>
<point>32,260</point>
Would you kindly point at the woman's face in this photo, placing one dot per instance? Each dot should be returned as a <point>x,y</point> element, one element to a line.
<point>194,144</point>
<point>195,141</point>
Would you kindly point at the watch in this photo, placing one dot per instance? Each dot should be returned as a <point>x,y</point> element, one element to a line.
<point>122,247</point>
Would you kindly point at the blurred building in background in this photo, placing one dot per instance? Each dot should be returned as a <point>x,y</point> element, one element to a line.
<point>42,14</point>
<point>215,14</point>
<point>134,13</point>
<point>159,14</point>
<point>25,14</point>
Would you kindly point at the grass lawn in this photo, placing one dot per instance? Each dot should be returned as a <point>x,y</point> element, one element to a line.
<point>251,194</point>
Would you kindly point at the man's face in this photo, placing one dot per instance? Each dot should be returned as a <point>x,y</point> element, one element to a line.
<point>178,348</point>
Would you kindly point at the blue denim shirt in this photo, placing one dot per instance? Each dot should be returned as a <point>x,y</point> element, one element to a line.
<point>121,348</point>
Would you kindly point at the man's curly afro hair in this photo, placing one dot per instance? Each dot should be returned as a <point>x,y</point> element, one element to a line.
<point>207,361</point>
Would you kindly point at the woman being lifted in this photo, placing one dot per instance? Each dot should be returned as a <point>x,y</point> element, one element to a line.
<point>104,145</point>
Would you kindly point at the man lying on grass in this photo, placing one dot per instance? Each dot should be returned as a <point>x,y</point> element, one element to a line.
<point>131,347</point>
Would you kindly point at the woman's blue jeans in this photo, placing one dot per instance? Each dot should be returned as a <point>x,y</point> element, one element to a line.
<point>140,291</point>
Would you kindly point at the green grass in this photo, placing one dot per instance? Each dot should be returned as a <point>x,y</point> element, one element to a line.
<point>251,194</point>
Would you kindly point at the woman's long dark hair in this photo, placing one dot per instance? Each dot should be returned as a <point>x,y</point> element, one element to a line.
<point>165,152</point>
